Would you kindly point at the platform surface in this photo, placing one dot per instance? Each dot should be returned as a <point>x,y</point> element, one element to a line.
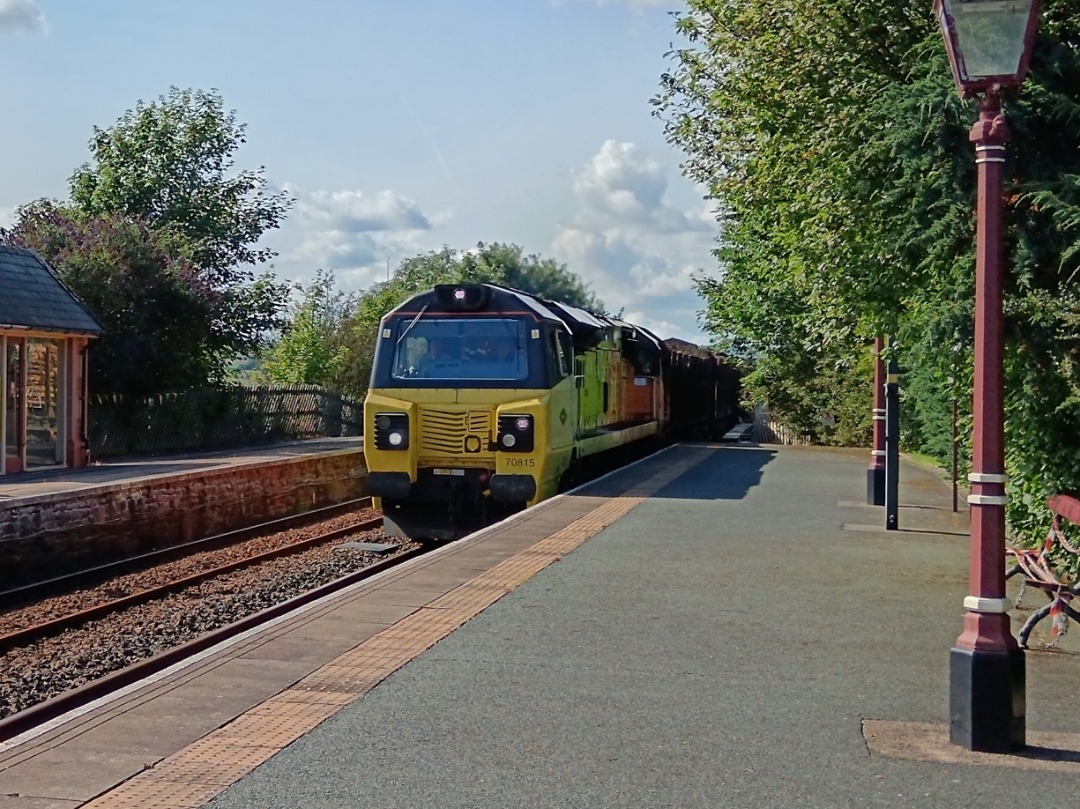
<point>749,636</point>
<point>729,626</point>
<point>56,480</point>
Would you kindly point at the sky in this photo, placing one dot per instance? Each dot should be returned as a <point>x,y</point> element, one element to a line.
<point>399,127</point>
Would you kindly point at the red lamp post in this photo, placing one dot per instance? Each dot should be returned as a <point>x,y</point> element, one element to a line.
<point>989,44</point>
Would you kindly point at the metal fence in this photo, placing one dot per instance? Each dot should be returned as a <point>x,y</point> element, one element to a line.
<point>768,431</point>
<point>216,418</point>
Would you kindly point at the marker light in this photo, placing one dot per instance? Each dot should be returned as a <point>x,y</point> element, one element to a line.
<point>516,432</point>
<point>391,431</point>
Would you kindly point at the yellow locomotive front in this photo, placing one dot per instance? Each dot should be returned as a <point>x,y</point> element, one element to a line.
<point>470,409</point>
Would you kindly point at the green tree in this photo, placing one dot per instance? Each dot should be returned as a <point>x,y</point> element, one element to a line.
<point>495,263</point>
<point>311,349</point>
<point>158,199</point>
<point>138,284</point>
<point>836,148</point>
<point>169,163</point>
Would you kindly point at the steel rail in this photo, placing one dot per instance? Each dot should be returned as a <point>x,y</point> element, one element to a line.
<point>61,704</point>
<point>25,635</point>
<point>43,589</point>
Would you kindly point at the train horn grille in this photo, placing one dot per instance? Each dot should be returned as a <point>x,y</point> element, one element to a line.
<point>445,432</point>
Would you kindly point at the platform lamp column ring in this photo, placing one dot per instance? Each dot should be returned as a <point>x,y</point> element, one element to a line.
<point>989,45</point>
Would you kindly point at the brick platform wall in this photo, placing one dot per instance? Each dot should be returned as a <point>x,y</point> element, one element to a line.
<point>51,534</point>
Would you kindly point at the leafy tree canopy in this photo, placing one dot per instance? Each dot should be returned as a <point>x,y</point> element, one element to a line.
<point>836,149</point>
<point>312,348</point>
<point>330,339</point>
<point>168,162</point>
<point>162,242</point>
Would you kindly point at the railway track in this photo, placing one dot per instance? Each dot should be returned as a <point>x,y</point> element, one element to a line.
<point>37,591</point>
<point>54,666</point>
<point>55,626</point>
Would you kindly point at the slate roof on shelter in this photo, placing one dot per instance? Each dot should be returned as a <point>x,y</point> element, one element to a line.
<point>33,297</point>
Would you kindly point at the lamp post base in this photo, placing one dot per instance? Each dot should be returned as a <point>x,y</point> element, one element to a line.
<point>875,486</point>
<point>987,706</point>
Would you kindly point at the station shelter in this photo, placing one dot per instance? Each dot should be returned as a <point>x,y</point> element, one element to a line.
<point>44,334</point>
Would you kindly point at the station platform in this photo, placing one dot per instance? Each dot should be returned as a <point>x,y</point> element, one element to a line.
<point>59,481</point>
<point>53,521</point>
<point>715,626</point>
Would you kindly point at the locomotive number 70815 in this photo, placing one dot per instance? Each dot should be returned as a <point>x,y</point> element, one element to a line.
<point>521,462</point>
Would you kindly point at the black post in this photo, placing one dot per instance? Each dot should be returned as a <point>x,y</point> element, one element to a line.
<point>892,446</point>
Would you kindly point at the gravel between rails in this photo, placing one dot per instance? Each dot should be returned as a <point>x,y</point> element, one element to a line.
<point>120,586</point>
<point>51,666</point>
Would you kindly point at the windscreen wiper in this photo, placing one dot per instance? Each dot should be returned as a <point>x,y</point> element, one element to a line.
<point>412,323</point>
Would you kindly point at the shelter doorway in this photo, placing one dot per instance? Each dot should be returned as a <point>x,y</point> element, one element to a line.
<point>34,417</point>
<point>14,374</point>
<point>45,397</point>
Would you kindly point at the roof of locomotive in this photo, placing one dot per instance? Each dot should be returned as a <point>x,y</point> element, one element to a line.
<point>582,324</point>
<point>463,298</point>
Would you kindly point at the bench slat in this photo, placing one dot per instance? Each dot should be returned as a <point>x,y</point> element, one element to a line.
<point>1065,506</point>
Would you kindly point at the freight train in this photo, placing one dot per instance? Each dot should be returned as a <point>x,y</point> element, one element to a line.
<point>485,399</point>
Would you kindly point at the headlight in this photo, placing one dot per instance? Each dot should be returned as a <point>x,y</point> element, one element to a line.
<point>391,430</point>
<point>516,433</point>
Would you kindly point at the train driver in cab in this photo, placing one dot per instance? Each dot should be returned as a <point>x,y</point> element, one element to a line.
<point>503,359</point>
<point>504,351</point>
<point>439,356</point>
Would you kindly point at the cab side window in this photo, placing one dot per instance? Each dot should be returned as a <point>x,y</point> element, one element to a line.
<point>566,353</point>
<point>558,355</point>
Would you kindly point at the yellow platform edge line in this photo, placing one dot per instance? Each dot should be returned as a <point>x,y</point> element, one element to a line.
<point>182,780</point>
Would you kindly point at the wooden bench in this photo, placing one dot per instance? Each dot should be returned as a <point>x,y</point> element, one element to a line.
<point>1051,567</point>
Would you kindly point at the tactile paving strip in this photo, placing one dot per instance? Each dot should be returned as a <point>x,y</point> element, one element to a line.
<point>193,776</point>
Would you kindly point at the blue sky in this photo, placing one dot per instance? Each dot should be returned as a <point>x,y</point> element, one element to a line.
<point>400,127</point>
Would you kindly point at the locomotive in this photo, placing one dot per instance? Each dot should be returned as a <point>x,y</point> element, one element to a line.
<point>485,400</point>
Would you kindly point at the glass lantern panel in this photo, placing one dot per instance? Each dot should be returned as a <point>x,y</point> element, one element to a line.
<point>989,34</point>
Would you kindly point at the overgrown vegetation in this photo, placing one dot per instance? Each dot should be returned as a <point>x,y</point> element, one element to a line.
<point>160,240</point>
<point>831,137</point>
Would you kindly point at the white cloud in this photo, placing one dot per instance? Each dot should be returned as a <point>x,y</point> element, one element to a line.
<point>637,250</point>
<point>353,212</point>
<point>352,234</point>
<point>21,17</point>
<point>668,328</point>
<point>639,4</point>
<point>7,217</point>
<point>625,237</point>
<point>622,181</point>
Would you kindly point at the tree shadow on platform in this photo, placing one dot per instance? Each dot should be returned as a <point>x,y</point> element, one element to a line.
<point>725,473</point>
<point>728,473</point>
